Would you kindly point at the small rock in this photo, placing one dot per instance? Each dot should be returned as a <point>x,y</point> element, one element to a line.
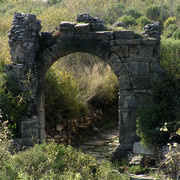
<point>59,127</point>
<point>95,129</point>
<point>136,160</point>
<point>139,149</point>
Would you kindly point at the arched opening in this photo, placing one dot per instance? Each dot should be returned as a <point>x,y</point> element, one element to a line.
<point>81,94</point>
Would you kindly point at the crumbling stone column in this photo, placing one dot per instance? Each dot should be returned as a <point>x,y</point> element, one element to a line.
<point>23,41</point>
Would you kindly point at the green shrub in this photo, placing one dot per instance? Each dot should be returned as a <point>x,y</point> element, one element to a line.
<point>177,11</point>
<point>51,2</point>
<point>161,108</point>
<point>56,162</point>
<point>169,21</point>
<point>163,105</point>
<point>153,12</point>
<point>13,102</point>
<point>170,30</point>
<point>176,34</point>
<point>113,12</point>
<point>128,20</point>
<point>157,13</point>
<point>137,170</point>
<point>170,56</point>
<point>61,96</point>
<point>142,21</point>
<point>133,12</point>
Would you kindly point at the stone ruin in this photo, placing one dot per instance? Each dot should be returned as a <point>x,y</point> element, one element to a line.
<point>134,60</point>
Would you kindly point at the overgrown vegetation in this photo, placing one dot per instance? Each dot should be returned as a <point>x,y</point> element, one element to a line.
<point>164,102</point>
<point>51,161</point>
<point>82,82</point>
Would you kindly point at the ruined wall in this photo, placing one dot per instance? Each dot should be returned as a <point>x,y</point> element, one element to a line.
<point>134,59</point>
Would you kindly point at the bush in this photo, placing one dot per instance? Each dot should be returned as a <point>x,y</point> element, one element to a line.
<point>113,12</point>
<point>170,30</point>
<point>161,108</point>
<point>153,12</point>
<point>13,102</point>
<point>128,20</point>
<point>61,96</point>
<point>164,102</point>
<point>51,2</point>
<point>176,34</point>
<point>169,21</point>
<point>133,12</point>
<point>177,11</point>
<point>137,169</point>
<point>56,162</point>
<point>157,13</point>
<point>142,21</point>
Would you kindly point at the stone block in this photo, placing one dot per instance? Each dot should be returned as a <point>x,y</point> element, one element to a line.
<point>150,41</point>
<point>131,101</point>
<point>139,149</point>
<point>29,129</point>
<point>67,35</point>
<point>124,82</point>
<point>67,26</point>
<point>124,34</point>
<point>139,59</point>
<point>83,28</point>
<point>134,50</point>
<point>121,50</point>
<point>104,35</point>
<point>139,68</point>
<point>146,51</point>
<point>128,41</point>
<point>140,82</point>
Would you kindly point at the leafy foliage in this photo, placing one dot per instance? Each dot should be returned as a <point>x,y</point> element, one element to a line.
<point>133,12</point>
<point>142,21</point>
<point>128,20</point>
<point>169,21</point>
<point>13,102</point>
<point>164,102</point>
<point>55,162</point>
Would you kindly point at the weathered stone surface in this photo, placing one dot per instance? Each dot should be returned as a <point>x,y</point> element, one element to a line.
<point>128,41</point>
<point>104,35</point>
<point>59,127</point>
<point>29,129</point>
<point>121,50</point>
<point>140,82</point>
<point>124,34</point>
<point>95,23</point>
<point>139,149</point>
<point>119,24</point>
<point>67,26</point>
<point>124,82</point>
<point>139,68</point>
<point>84,28</point>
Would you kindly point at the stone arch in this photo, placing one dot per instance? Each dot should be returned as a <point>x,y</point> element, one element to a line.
<point>134,61</point>
<point>102,50</point>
